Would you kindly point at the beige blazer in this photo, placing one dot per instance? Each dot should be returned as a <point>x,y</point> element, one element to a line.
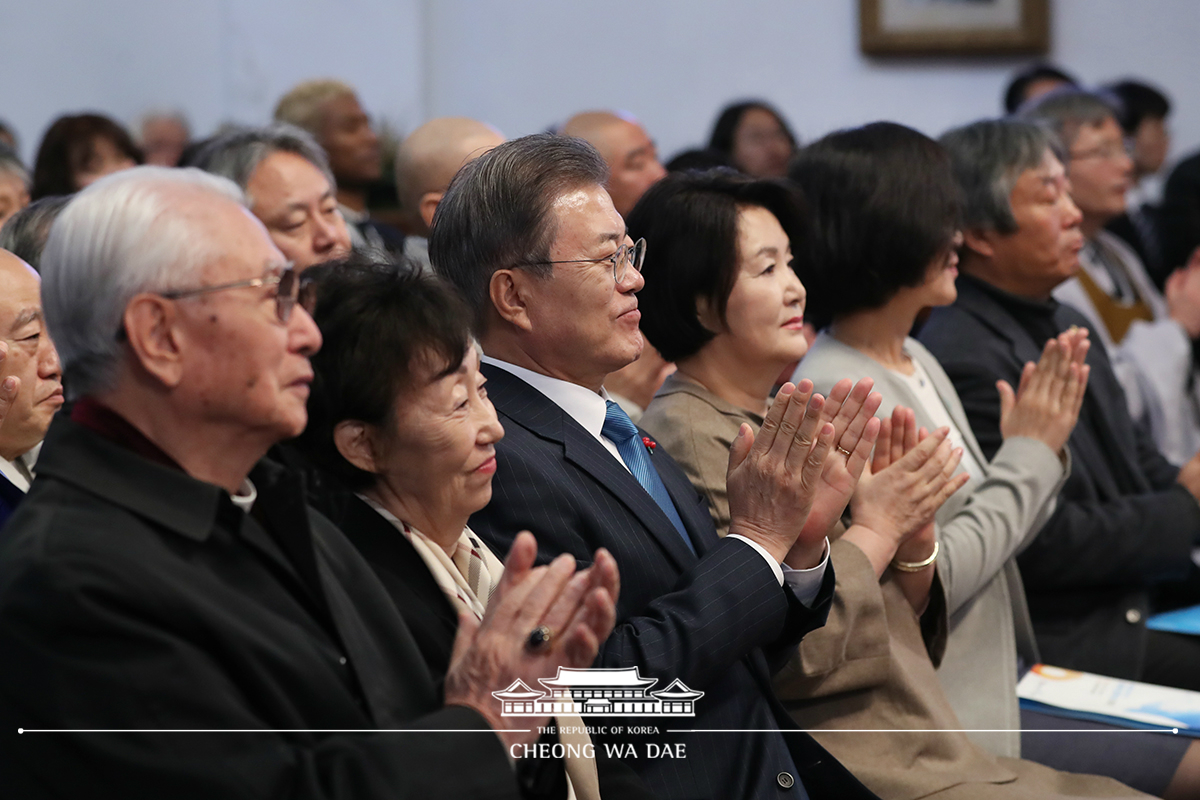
<point>981,530</point>
<point>871,667</point>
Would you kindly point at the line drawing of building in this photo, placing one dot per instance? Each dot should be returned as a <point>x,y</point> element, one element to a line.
<point>598,691</point>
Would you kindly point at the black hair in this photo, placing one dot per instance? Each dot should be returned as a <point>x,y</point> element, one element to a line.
<point>690,223</point>
<point>68,145</point>
<point>1014,94</point>
<point>498,213</point>
<point>1138,102</point>
<point>725,128</point>
<point>697,158</point>
<point>884,204</point>
<point>383,324</point>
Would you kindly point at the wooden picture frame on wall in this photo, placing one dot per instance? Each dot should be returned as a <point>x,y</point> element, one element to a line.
<point>954,27</point>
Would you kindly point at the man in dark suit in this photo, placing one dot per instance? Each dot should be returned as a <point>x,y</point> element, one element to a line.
<point>530,236</point>
<point>1126,519</point>
<point>28,358</point>
<point>157,579</point>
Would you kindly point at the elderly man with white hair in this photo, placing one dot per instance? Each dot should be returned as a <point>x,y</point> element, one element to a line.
<point>160,577</point>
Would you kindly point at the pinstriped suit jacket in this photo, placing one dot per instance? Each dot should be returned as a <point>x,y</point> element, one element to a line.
<point>717,620</point>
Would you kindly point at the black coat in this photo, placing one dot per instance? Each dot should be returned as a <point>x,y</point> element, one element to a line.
<point>434,622</point>
<point>1122,523</point>
<point>717,620</point>
<point>133,596</point>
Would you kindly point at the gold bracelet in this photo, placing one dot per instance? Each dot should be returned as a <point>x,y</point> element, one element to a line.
<point>917,566</point>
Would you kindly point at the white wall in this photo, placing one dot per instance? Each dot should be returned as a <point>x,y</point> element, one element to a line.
<point>524,64</point>
<point>674,63</point>
<point>217,60</point>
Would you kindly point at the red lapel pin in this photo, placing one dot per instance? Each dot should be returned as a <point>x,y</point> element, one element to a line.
<point>650,444</point>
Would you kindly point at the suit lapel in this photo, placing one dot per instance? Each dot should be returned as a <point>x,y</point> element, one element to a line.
<point>1005,326</point>
<point>949,398</point>
<point>426,610</point>
<point>535,412</point>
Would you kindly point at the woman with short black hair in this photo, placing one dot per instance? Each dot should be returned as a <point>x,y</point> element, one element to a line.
<point>886,212</point>
<point>399,417</point>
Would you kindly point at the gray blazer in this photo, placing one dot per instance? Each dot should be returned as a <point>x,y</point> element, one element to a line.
<point>981,529</point>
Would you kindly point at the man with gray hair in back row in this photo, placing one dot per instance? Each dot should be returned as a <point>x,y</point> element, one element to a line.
<point>174,621</point>
<point>289,186</point>
<point>1126,519</point>
<point>1148,335</point>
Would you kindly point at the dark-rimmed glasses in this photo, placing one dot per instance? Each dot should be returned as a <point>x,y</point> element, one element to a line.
<point>626,256</point>
<point>282,275</point>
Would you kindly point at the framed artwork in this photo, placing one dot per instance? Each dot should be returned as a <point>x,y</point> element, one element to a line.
<point>954,27</point>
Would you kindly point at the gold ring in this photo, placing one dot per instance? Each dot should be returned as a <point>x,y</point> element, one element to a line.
<point>844,450</point>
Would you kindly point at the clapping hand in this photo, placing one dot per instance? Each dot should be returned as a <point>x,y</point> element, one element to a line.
<point>773,477</point>
<point>851,409</point>
<point>1047,401</point>
<point>910,477</point>
<point>538,619</point>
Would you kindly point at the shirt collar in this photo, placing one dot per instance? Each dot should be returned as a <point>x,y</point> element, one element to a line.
<point>581,404</point>
<point>12,471</point>
<point>1016,304</point>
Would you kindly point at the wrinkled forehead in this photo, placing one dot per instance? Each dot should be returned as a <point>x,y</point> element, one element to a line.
<point>243,248</point>
<point>20,291</point>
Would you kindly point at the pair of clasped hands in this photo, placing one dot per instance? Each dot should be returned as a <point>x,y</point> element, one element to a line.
<point>812,457</point>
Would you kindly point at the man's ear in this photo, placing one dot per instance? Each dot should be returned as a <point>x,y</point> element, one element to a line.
<point>427,205</point>
<point>151,329</point>
<point>355,441</point>
<point>509,293</point>
<point>707,314</point>
<point>980,241</point>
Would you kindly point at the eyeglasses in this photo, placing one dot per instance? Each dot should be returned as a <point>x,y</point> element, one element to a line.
<point>1109,151</point>
<point>282,275</point>
<point>626,256</point>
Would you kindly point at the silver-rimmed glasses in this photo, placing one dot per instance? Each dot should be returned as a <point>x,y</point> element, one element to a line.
<point>283,275</point>
<point>625,257</point>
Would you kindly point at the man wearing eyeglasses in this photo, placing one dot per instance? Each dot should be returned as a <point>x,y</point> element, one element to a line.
<point>1148,334</point>
<point>530,236</point>
<point>161,578</point>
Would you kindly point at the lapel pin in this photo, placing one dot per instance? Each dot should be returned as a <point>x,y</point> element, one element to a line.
<point>650,444</point>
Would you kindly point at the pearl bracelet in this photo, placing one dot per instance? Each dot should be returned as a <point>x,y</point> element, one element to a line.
<point>917,566</point>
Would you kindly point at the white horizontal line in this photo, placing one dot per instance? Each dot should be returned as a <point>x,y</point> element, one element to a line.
<point>264,730</point>
<point>927,730</point>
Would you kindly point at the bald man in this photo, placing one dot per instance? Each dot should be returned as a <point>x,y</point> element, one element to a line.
<point>29,368</point>
<point>632,158</point>
<point>425,163</point>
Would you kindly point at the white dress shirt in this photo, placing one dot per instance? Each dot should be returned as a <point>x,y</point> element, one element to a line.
<point>589,410</point>
<point>20,471</point>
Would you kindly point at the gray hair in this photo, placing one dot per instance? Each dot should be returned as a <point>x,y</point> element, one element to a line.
<point>988,157</point>
<point>117,238</point>
<point>497,212</point>
<point>1067,110</point>
<point>237,154</point>
<point>10,164</point>
<point>24,233</point>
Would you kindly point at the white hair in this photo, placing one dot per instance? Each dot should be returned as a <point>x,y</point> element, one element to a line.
<point>114,239</point>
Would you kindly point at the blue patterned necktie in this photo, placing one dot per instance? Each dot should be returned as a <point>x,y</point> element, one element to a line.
<point>621,431</point>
